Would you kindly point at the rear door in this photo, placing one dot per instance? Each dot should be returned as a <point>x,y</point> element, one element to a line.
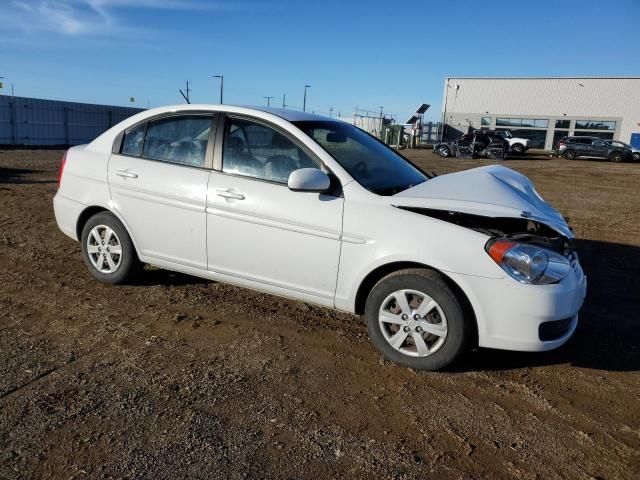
<point>582,146</point>
<point>259,230</point>
<point>158,180</point>
<point>599,149</point>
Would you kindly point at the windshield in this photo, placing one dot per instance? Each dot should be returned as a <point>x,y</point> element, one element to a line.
<point>370,162</point>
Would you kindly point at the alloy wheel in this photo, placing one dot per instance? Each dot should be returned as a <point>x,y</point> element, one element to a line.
<point>413,323</point>
<point>104,249</point>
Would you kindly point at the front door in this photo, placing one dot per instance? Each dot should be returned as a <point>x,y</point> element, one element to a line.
<point>158,183</point>
<point>259,230</point>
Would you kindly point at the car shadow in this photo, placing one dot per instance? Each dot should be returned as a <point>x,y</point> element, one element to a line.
<point>152,276</point>
<point>608,334</point>
<point>21,176</point>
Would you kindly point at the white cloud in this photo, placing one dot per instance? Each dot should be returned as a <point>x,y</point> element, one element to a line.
<point>88,17</point>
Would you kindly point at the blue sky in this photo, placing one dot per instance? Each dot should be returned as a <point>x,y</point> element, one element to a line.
<point>365,53</point>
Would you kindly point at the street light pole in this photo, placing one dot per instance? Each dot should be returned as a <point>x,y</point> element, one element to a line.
<point>221,77</point>
<point>304,102</point>
<point>284,98</point>
<point>269,100</point>
<point>381,117</point>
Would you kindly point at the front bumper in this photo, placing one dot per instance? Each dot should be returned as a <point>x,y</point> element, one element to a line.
<point>510,314</point>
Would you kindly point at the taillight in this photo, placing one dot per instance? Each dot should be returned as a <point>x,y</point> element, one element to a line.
<point>61,169</point>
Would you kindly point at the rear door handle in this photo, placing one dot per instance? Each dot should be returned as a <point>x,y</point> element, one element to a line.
<point>126,174</point>
<point>228,194</point>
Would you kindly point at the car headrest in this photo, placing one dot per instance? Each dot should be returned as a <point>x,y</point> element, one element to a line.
<point>280,141</point>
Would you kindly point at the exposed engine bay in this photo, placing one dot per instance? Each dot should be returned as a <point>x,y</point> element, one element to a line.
<point>517,229</point>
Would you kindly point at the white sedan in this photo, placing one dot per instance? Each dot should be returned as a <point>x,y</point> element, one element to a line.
<point>317,210</point>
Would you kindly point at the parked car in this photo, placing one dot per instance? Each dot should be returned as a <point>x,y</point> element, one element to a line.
<point>318,210</point>
<point>478,143</point>
<point>635,152</point>
<point>591,147</point>
<point>517,145</point>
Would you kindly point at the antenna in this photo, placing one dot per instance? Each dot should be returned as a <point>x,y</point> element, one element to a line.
<point>186,97</point>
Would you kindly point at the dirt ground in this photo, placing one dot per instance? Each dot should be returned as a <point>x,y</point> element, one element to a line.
<point>178,377</point>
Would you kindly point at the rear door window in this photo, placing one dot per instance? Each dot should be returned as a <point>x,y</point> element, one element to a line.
<point>182,140</point>
<point>133,140</point>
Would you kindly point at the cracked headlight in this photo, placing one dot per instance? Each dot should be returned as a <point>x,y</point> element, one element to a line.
<point>528,263</point>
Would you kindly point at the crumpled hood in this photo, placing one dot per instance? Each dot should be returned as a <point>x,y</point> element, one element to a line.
<point>491,191</point>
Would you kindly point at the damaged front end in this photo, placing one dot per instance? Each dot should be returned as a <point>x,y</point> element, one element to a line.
<point>529,251</point>
<point>516,229</point>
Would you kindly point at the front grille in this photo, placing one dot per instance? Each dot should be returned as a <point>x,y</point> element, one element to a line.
<point>555,329</point>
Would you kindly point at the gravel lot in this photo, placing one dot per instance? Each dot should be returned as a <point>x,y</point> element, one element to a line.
<point>178,377</point>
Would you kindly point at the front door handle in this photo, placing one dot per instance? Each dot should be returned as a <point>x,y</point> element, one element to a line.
<point>126,174</point>
<point>228,194</point>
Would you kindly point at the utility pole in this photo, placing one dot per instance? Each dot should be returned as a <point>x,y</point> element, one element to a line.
<point>284,97</point>
<point>186,97</point>
<point>221,77</point>
<point>269,101</point>
<point>304,102</point>
<point>381,118</point>
<point>331,112</point>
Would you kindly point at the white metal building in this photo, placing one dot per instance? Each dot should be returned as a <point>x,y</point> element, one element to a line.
<point>544,109</point>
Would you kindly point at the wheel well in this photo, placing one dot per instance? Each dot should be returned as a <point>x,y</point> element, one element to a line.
<point>379,273</point>
<point>86,214</point>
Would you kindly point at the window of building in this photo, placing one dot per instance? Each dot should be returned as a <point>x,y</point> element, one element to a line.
<point>485,121</point>
<point>255,150</point>
<point>181,140</point>
<point>522,122</point>
<point>133,140</point>
<point>603,135</point>
<point>595,125</point>
<point>563,123</point>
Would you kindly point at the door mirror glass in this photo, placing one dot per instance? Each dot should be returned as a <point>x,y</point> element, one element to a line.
<point>309,180</point>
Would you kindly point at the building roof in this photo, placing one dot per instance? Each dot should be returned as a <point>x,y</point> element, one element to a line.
<point>584,77</point>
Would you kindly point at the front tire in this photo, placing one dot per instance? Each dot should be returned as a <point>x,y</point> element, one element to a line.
<point>518,148</point>
<point>570,155</point>
<point>416,320</point>
<point>444,151</point>
<point>107,249</point>
<point>636,157</point>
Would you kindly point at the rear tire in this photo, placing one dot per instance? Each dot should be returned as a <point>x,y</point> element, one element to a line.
<point>107,249</point>
<point>433,313</point>
<point>570,155</point>
<point>616,157</point>
<point>636,157</point>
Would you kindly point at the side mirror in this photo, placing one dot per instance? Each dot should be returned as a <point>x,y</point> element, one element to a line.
<point>309,180</point>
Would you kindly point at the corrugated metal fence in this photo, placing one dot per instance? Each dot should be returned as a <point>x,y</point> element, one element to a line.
<point>35,122</point>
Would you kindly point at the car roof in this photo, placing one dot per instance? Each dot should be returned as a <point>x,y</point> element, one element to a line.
<point>286,114</point>
<point>291,115</point>
<point>105,141</point>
